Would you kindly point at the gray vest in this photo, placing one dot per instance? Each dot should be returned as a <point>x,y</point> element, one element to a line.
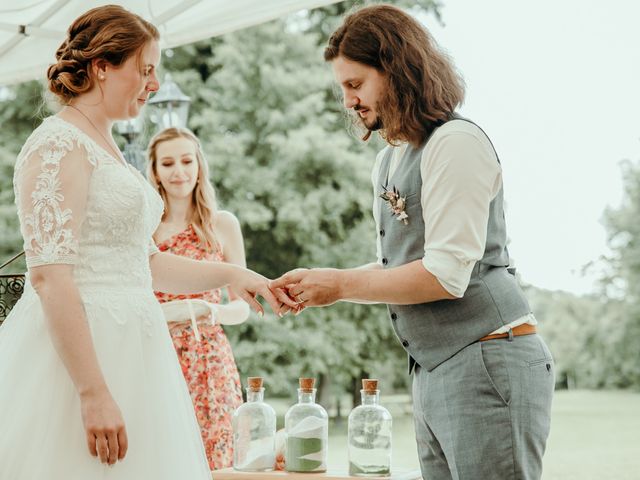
<point>433,332</point>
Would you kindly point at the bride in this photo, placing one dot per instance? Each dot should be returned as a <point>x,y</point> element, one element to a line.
<point>87,367</point>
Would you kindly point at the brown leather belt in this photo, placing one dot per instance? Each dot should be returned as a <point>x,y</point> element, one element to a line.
<point>524,329</point>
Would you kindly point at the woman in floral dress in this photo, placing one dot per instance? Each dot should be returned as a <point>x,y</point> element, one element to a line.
<point>192,227</point>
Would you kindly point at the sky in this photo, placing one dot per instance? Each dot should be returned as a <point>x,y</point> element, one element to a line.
<point>556,85</point>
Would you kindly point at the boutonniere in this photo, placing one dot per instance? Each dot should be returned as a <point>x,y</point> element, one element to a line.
<point>396,203</point>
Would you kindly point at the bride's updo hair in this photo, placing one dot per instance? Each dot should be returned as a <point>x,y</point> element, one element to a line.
<point>111,33</point>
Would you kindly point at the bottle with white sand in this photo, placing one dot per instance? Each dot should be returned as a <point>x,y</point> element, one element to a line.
<point>254,432</point>
<point>307,429</point>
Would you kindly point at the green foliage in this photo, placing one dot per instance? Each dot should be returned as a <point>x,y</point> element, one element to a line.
<point>326,19</point>
<point>19,115</point>
<point>624,277</point>
<point>10,238</point>
<point>575,328</point>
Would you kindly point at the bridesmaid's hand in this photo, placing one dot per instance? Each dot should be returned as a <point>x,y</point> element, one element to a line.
<point>104,426</point>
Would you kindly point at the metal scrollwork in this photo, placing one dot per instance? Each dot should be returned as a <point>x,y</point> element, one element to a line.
<point>11,289</point>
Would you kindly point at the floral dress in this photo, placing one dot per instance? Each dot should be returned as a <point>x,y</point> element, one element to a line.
<point>208,365</point>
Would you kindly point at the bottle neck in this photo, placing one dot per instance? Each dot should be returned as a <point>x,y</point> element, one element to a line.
<point>370,398</point>
<point>255,395</point>
<point>306,396</point>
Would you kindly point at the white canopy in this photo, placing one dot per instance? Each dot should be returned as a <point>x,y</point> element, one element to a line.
<point>32,30</point>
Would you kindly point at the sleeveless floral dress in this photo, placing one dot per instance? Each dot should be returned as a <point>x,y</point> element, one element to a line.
<point>208,365</point>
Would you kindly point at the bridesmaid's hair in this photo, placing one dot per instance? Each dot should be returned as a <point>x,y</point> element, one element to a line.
<point>204,196</point>
<point>110,33</point>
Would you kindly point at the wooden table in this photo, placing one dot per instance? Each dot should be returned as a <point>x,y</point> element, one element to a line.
<point>336,474</point>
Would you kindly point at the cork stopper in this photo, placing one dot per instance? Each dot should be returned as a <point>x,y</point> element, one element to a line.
<point>370,385</point>
<point>255,383</point>
<point>306,384</point>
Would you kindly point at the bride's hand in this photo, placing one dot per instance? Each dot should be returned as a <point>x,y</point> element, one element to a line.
<point>104,426</point>
<point>248,285</point>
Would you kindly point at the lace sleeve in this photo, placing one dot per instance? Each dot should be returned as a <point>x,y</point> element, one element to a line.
<point>51,183</point>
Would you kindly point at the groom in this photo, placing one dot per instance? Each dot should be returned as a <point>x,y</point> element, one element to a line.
<point>482,378</point>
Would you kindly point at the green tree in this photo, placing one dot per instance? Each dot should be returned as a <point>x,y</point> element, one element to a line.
<point>571,326</point>
<point>10,238</point>
<point>20,113</point>
<point>326,19</point>
<point>623,280</point>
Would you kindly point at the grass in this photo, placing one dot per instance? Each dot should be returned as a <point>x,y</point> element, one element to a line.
<point>594,435</point>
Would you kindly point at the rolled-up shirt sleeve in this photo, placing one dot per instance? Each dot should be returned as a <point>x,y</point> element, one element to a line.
<point>460,177</point>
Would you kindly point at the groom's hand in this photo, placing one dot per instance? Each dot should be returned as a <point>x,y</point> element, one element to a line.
<point>287,303</point>
<point>317,287</point>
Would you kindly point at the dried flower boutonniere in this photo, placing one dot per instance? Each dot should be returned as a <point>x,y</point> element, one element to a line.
<point>396,203</point>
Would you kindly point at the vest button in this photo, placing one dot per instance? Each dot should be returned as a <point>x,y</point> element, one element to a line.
<point>385,261</point>
<point>394,316</point>
<point>382,233</point>
<point>405,343</point>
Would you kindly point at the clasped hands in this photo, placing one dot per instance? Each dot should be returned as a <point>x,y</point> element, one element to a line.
<point>292,292</point>
<point>317,287</point>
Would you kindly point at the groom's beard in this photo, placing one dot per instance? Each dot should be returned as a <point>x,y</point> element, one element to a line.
<point>373,124</point>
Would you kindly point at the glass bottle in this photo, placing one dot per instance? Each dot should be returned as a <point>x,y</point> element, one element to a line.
<point>254,431</point>
<point>369,435</point>
<point>307,429</point>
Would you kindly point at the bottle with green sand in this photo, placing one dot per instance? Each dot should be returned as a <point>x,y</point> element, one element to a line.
<point>307,429</point>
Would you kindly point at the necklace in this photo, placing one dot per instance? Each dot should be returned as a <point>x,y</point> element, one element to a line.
<point>118,155</point>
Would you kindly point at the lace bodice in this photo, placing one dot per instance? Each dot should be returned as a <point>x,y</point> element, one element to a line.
<point>79,205</point>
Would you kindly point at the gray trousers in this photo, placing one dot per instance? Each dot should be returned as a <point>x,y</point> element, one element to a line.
<point>484,414</point>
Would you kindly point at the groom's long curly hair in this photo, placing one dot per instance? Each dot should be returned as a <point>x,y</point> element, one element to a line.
<point>424,87</point>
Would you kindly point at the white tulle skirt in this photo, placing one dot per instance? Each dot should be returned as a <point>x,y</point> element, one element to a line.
<point>41,431</point>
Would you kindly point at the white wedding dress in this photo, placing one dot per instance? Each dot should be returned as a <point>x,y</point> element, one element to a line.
<point>78,205</point>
